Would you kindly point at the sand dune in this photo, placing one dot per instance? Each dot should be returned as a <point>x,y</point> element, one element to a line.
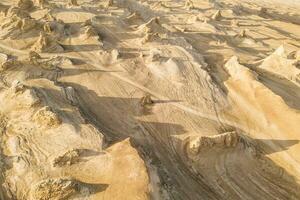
<point>125,99</point>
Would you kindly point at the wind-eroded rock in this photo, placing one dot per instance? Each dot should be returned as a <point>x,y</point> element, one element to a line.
<point>225,140</point>
<point>278,63</point>
<point>109,58</point>
<point>217,16</point>
<point>70,95</point>
<point>3,60</point>
<point>73,3</point>
<point>18,96</point>
<point>54,189</point>
<point>68,158</point>
<point>25,4</point>
<point>146,100</point>
<point>46,117</point>
<point>46,43</point>
<point>109,3</point>
<point>49,63</point>
<point>149,37</point>
<point>189,4</point>
<point>17,22</point>
<point>3,123</point>
<point>42,3</point>
<point>152,26</point>
<point>89,32</point>
<point>17,86</point>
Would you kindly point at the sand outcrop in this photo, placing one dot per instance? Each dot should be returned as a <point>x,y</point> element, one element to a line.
<point>152,26</point>
<point>68,158</point>
<point>239,72</point>
<point>73,3</point>
<point>19,96</point>
<point>134,17</point>
<point>17,86</point>
<point>126,99</point>
<point>109,3</point>
<point>279,64</point>
<point>48,129</point>
<point>108,58</point>
<point>90,32</point>
<point>224,140</point>
<point>146,100</point>
<point>235,23</point>
<point>47,28</point>
<point>70,95</point>
<point>49,17</point>
<point>12,10</point>
<point>25,4</point>
<point>45,117</point>
<point>150,37</point>
<point>42,3</point>
<point>46,43</point>
<point>51,189</point>
<point>294,55</point>
<point>217,15</point>
<point>16,23</point>
<point>3,60</point>
<point>189,4</point>
<point>200,147</point>
<point>48,63</point>
<point>55,28</point>
<point>9,63</point>
<point>34,56</point>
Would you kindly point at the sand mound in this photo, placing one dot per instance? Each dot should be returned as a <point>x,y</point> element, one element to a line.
<point>108,58</point>
<point>239,72</point>
<point>19,96</point>
<point>162,100</point>
<point>152,26</point>
<point>16,23</point>
<point>279,64</point>
<point>50,128</point>
<point>46,43</point>
<point>168,69</point>
<point>49,63</point>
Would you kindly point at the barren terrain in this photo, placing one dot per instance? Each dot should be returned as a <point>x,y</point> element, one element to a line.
<point>148,99</point>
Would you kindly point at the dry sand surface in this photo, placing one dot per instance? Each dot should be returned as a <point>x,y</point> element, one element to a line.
<point>148,99</point>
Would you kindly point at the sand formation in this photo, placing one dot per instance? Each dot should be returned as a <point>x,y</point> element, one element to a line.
<point>279,64</point>
<point>73,3</point>
<point>149,100</point>
<point>46,44</point>
<point>217,16</point>
<point>189,4</point>
<point>42,3</point>
<point>25,4</point>
<point>55,189</point>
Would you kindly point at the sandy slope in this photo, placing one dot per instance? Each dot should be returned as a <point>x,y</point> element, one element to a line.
<point>130,99</point>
